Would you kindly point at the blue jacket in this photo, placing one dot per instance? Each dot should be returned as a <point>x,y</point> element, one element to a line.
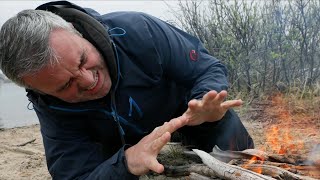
<point>160,69</point>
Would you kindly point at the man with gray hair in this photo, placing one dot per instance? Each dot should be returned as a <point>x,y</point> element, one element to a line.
<point>110,90</point>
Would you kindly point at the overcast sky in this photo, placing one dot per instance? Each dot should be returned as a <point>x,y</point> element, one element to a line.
<point>158,8</point>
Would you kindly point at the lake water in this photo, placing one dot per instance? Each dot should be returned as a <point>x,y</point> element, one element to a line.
<point>13,107</point>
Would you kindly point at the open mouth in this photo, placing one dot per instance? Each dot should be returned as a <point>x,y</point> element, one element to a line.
<point>94,84</point>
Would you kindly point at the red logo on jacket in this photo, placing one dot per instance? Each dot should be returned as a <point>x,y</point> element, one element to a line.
<point>193,55</point>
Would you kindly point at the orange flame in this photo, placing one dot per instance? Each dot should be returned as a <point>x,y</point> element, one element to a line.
<point>287,133</point>
<point>279,137</point>
<point>252,161</point>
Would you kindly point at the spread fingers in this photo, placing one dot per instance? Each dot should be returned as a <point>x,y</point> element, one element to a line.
<point>231,103</point>
<point>170,126</point>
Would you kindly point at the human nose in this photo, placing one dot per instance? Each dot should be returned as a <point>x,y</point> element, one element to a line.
<point>86,79</point>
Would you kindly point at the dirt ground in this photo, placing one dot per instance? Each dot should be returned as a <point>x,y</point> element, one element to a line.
<point>22,162</point>
<point>277,124</point>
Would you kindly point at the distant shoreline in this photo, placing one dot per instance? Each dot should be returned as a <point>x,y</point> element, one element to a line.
<point>5,81</point>
<point>3,78</point>
<point>3,128</point>
<point>14,107</point>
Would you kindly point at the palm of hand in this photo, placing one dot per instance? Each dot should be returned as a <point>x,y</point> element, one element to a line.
<point>142,157</point>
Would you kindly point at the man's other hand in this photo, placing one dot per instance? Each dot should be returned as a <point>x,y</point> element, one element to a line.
<point>142,157</point>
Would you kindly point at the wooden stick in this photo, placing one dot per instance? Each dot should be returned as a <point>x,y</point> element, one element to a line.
<point>227,171</point>
<point>284,159</point>
<point>195,176</point>
<point>228,155</point>
<point>185,170</point>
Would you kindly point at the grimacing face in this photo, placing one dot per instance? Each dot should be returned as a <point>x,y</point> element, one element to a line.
<point>80,75</point>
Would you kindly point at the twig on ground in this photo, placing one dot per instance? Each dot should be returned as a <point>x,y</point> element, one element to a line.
<point>28,142</point>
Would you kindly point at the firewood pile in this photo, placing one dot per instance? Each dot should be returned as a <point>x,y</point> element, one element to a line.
<point>241,165</point>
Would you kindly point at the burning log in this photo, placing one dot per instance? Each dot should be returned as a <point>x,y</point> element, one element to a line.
<point>304,170</point>
<point>283,158</point>
<point>246,161</point>
<point>227,171</point>
<point>255,154</point>
<point>275,172</point>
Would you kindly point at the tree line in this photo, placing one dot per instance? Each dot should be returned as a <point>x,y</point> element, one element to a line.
<point>266,45</point>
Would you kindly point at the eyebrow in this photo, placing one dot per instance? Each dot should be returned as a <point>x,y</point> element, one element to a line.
<point>83,60</point>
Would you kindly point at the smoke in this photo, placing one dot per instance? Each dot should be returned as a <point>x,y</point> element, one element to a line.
<point>314,156</point>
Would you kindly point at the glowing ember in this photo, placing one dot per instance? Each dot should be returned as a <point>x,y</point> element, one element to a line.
<point>253,161</point>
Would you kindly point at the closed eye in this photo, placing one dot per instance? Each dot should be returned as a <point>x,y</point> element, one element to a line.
<point>68,84</point>
<point>82,62</point>
<point>65,86</point>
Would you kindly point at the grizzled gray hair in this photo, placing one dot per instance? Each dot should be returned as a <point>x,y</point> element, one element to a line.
<point>24,43</point>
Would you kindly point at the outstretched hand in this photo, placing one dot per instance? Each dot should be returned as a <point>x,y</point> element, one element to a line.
<point>142,157</point>
<point>212,107</point>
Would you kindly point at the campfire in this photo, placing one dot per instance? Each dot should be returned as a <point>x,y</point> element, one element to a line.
<point>248,164</point>
<point>289,150</point>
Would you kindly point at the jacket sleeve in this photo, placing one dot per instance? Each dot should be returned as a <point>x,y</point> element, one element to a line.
<point>70,153</point>
<point>183,58</point>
